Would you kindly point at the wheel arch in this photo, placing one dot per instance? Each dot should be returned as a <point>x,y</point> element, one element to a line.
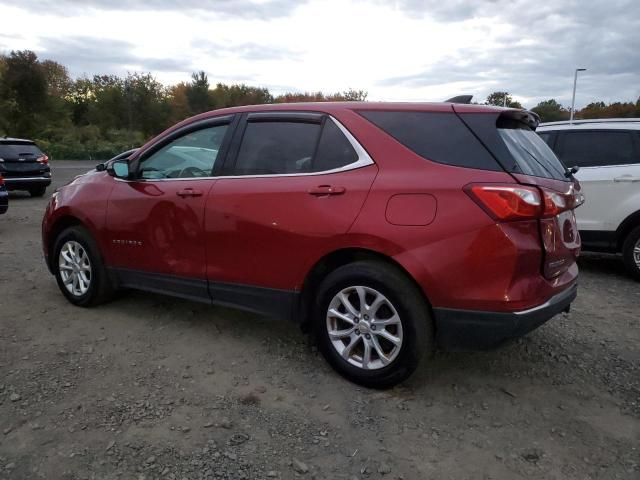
<point>625,227</point>
<point>62,223</point>
<point>334,260</point>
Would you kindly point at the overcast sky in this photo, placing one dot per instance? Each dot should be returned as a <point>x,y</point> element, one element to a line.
<point>396,50</point>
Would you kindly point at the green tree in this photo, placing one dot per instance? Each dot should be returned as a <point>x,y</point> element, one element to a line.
<point>498,99</point>
<point>551,111</point>
<point>24,89</point>
<point>198,93</point>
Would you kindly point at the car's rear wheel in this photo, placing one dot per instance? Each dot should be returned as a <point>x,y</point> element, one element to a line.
<point>37,191</point>
<point>631,252</point>
<point>79,269</point>
<point>372,323</point>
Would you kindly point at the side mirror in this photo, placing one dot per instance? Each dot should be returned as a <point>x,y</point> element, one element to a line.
<point>119,169</point>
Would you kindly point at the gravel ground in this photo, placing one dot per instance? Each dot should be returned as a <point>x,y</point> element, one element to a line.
<point>152,387</point>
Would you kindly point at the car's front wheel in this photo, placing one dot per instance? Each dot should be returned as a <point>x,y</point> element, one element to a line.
<point>372,323</point>
<point>79,270</point>
<point>631,252</point>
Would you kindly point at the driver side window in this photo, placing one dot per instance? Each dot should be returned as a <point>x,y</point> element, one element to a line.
<point>190,156</point>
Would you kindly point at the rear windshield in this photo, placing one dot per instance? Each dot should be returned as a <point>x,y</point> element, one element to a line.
<point>530,152</point>
<point>18,149</point>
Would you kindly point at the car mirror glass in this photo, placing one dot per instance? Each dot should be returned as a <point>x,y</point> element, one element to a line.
<point>119,169</point>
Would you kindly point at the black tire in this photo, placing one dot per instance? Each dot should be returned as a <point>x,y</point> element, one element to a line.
<point>37,191</point>
<point>408,301</point>
<point>101,288</point>
<point>631,242</point>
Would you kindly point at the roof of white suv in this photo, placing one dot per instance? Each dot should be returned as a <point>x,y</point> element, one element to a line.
<point>599,123</point>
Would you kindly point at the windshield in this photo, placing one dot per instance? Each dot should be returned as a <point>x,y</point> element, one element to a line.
<point>531,154</point>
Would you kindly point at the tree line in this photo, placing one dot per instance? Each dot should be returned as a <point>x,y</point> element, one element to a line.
<point>552,111</point>
<point>101,116</point>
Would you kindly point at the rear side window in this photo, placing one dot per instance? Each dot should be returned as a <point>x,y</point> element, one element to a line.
<point>438,136</point>
<point>530,152</point>
<point>290,147</point>
<point>271,148</point>
<point>593,148</point>
<point>18,149</point>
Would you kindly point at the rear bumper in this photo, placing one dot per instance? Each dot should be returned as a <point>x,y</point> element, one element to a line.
<point>17,183</point>
<point>479,330</point>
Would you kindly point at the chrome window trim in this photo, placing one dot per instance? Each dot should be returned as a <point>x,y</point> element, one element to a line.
<point>364,160</point>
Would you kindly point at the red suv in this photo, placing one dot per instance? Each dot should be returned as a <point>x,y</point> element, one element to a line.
<point>384,229</point>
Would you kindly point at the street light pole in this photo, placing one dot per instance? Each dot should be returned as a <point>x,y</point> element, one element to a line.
<point>573,98</point>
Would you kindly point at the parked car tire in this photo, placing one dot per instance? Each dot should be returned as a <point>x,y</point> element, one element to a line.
<point>388,336</point>
<point>37,191</point>
<point>79,269</point>
<point>631,252</point>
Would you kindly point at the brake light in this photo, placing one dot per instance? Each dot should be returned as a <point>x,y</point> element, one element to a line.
<point>522,202</point>
<point>1,180</point>
<point>507,202</point>
<point>43,159</point>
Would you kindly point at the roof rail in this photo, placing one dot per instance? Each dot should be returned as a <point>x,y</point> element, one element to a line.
<point>460,99</point>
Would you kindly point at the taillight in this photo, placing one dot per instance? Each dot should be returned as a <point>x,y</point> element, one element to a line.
<point>521,202</point>
<point>554,203</point>
<point>1,180</point>
<point>507,202</point>
<point>43,159</point>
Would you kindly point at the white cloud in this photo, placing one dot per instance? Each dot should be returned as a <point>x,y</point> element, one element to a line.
<point>403,50</point>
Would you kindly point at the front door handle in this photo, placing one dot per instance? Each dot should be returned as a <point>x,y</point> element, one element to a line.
<point>324,190</point>
<point>627,178</point>
<point>188,192</point>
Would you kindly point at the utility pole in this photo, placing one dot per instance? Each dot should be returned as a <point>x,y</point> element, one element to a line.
<point>573,98</point>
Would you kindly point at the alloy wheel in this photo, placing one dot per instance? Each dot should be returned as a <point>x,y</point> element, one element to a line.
<point>364,327</point>
<point>636,253</point>
<point>75,268</point>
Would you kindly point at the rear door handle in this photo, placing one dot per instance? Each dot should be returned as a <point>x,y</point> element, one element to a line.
<point>626,178</point>
<point>323,190</point>
<point>188,192</point>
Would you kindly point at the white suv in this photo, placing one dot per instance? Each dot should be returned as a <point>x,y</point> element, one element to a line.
<point>608,154</point>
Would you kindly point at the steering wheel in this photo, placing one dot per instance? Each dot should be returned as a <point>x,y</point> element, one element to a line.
<point>189,172</point>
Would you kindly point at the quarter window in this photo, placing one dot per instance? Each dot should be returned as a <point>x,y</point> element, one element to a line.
<point>191,155</point>
<point>334,150</point>
<point>597,148</point>
<point>438,136</point>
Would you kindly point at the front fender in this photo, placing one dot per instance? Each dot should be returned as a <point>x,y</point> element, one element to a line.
<point>79,203</point>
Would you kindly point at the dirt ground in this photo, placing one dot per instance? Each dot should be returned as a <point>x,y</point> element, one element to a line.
<point>152,387</point>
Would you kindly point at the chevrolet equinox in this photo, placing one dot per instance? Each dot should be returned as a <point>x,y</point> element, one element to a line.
<point>385,229</point>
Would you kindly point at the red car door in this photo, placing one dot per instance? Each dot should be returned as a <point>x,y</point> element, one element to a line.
<point>155,222</point>
<point>298,183</point>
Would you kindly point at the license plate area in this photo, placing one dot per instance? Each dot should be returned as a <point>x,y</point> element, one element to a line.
<point>22,167</point>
